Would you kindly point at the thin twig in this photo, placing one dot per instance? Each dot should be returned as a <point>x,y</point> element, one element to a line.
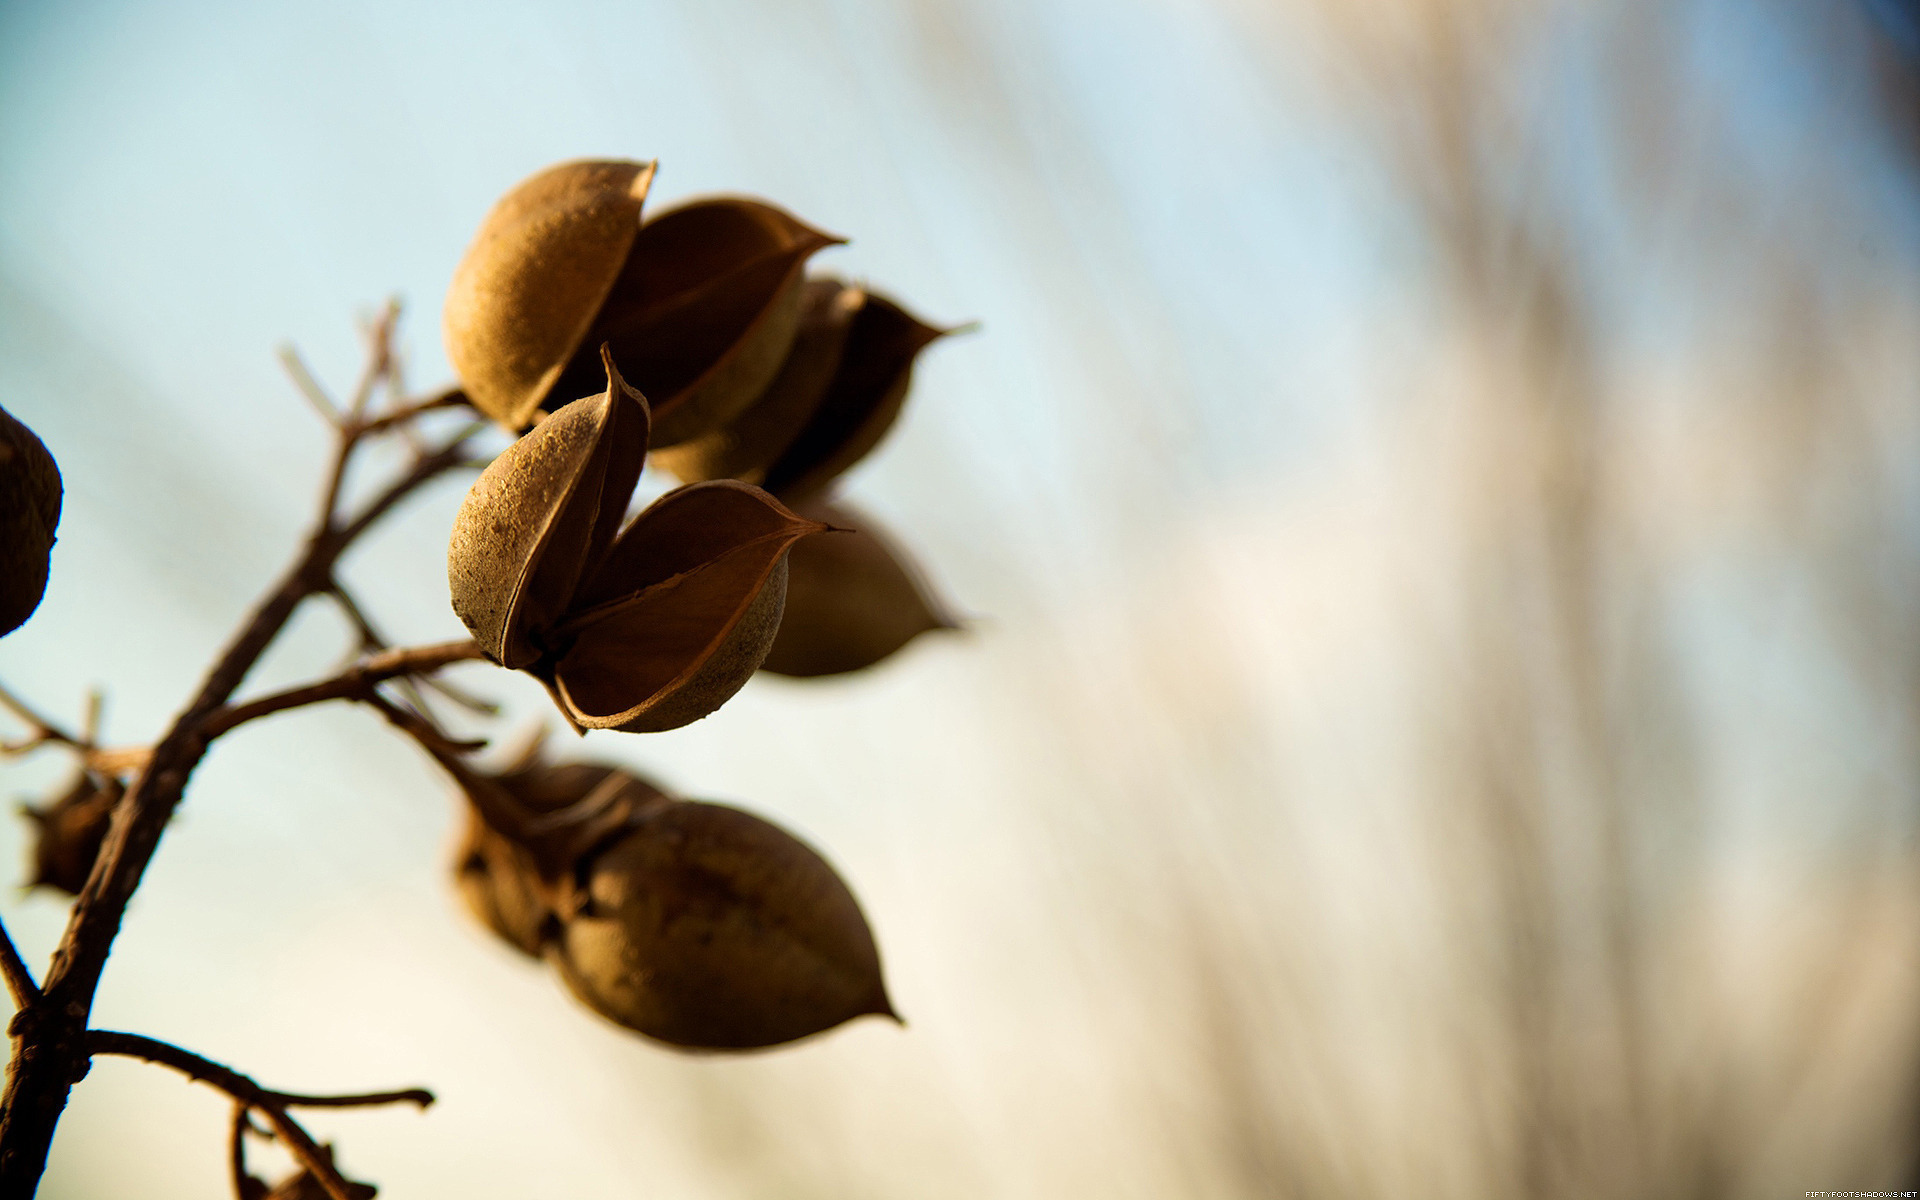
<point>270,1104</point>
<point>245,1186</point>
<point>44,730</point>
<point>497,806</point>
<point>379,359</point>
<point>451,398</point>
<point>308,386</point>
<point>20,982</point>
<point>90,725</point>
<point>422,729</point>
<point>355,683</point>
<point>451,454</point>
<point>233,1083</point>
<point>371,640</point>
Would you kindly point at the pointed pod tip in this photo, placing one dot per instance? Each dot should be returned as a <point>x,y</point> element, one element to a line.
<point>615,380</point>
<point>643,179</point>
<point>617,385</point>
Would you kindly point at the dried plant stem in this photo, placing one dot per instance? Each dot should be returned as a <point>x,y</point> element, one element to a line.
<point>355,683</point>
<point>245,1187</point>
<point>43,730</point>
<point>451,398</point>
<point>233,1083</point>
<point>50,1047</point>
<point>250,1095</point>
<point>20,982</point>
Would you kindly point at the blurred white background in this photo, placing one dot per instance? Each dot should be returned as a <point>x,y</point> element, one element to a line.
<point>1436,496</point>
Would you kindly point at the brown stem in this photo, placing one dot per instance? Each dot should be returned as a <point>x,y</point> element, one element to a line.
<point>451,398</point>
<point>49,1036</point>
<point>497,806</point>
<point>20,982</point>
<point>233,1083</point>
<point>44,730</point>
<point>272,1105</point>
<point>354,683</point>
<point>309,387</point>
<point>379,358</point>
<point>245,1186</point>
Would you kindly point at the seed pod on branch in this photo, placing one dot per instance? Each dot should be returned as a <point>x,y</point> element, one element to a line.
<point>695,924</point>
<point>853,598</point>
<point>709,928</point>
<point>30,495</point>
<point>555,812</point>
<point>646,629</point>
<point>68,831</point>
<point>837,394</point>
<point>699,304</point>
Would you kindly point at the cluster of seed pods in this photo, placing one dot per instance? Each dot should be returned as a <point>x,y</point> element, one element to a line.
<point>694,340</point>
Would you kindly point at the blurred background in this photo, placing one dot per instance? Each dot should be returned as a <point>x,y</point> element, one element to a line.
<point>1436,494</point>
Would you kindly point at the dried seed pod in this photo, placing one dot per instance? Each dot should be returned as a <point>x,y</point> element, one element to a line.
<point>534,278</point>
<point>746,446</point>
<point>861,404</point>
<point>508,882</point>
<point>852,599</point>
<point>30,495</point>
<point>706,309</point>
<point>813,424</point>
<point>682,613</point>
<point>649,630</point>
<point>700,304</point>
<point>68,831</point>
<point>499,883</point>
<point>540,516</point>
<point>709,928</point>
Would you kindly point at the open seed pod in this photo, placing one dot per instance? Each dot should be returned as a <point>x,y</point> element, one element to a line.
<point>30,495</point>
<point>647,630</point>
<point>709,928</point>
<point>535,278</point>
<point>68,831</point>
<point>838,393</point>
<point>700,304</point>
<point>704,311</point>
<point>853,598</point>
<point>553,815</point>
<point>746,446</point>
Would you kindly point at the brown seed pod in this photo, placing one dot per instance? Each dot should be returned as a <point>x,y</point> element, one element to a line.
<point>540,515</point>
<point>69,831</point>
<point>683,612</point>
<point>861,404</point>
<point>705,310</point>
<point>30,496</point>
<point>699,304</point>
<point>509,882</point>
<point>647,630</point>
<point>746,446</point>
<point>852,599</point>
<point>709,928</point>
<point>813,424</point>
<point>532,282</point>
